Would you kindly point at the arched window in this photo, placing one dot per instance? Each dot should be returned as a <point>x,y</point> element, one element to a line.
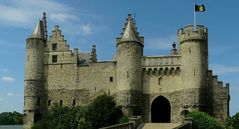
<point>159,80</point>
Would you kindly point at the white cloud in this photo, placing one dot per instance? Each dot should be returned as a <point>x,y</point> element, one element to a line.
<point>21,13</point>
<point>223,69</point>
<point>1,99</point>
<point>3,69</point>
<point>12,94</point>
<point>86,29</point>
<point>161,43</point>
<point>8,79</point>
<point>25,13</point>
<point>62,17</point>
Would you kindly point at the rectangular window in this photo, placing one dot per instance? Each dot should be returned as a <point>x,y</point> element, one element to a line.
<point>61,102</point>
<point>38,101</point>
<point>54,58</point>
<point>74,102</point>
<point>49,102</point>
<point>111,79</point>
<point>54,47</point>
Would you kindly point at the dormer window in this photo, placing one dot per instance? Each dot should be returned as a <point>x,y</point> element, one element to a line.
<point>54,47</point>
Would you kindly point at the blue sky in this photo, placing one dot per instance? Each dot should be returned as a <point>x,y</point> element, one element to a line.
<point>87,22</point>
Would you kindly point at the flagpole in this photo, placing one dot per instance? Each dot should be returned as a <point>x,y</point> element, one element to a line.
<point>194,20</point>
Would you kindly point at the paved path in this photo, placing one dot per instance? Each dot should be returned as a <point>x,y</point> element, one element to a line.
<point>158,125</point>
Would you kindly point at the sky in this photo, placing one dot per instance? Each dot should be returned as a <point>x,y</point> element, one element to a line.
<point>87,22</point>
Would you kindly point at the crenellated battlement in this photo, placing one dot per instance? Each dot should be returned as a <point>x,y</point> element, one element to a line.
<point>150,61</point>
<point>216,81</point>
<point>219,83</point>
<point>162,70</point>
<point>188,34</point>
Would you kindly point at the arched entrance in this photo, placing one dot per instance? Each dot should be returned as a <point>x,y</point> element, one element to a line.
<point>160,110</point>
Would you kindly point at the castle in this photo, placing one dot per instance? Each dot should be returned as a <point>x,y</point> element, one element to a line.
<point>159,88</point>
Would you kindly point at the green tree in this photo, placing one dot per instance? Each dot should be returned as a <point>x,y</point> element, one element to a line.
<point>63,118</point>
<point>103,112</point>
<point>232,122</point>
<point>81,121</point>
<point>202,120</point>
<point>11,118</point>
<point>229,123</point>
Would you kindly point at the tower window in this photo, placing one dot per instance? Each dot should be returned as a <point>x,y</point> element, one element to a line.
<point>54,58</point>
<point>49,102</point>
<point>38,101</point>
<point>61,102</point>
<point>54,47</point>
<point>159,80</point>
<point>74,102</point>
<point>111,79</point>
<point>189,50</point>
<point>127,74</point>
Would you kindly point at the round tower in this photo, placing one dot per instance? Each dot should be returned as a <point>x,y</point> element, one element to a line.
<point>34,91</point>
<point>193,48</point>
<point>129,71</point>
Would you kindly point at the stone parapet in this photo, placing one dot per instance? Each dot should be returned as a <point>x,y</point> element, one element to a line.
<point>133,123</point>
<point>188,34</point>
<point>150,61</point>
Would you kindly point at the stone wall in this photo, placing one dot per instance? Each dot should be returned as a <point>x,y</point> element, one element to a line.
<point>184,100</point>
<point>161,79</point>
<point>67,81</point>
<point>218,97</point>
<point>80,84</point>
<point>81,97</point>
<point>99,76</point>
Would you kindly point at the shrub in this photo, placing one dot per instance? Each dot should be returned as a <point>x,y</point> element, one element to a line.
<point>202,120</point>
<point>123,119</point>
<point>9,118</point>
<point>232,122</point>
<point>102,112</point>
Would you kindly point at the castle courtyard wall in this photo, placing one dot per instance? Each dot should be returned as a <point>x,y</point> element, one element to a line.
<point>69,82</point>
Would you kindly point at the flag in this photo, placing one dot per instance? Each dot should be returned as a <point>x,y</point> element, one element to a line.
<point>199,8</point>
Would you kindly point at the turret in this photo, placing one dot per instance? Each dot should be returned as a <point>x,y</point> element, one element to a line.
<point>93,56</point>
<point>174,49</point>
<point>193,48</point>
<point>44,22</point>
<point>34,76</point>
<point>129,72</point>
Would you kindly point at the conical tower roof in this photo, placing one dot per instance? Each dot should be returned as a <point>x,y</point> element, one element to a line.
<point>130,31</point>
<point>39,31</point>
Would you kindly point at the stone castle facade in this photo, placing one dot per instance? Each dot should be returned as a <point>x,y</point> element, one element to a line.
<point>159,88</point>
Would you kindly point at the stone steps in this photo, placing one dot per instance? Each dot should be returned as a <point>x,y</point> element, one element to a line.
<point>158,125</point>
